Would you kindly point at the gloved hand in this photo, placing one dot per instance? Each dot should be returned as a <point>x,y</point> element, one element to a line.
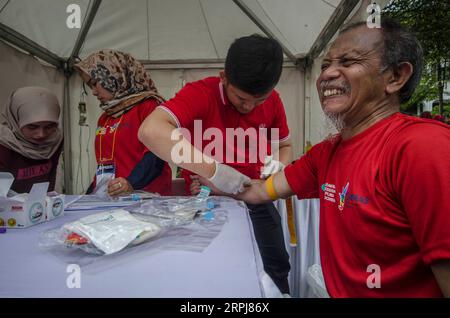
<point>229,180</point>
<point>271,166</point>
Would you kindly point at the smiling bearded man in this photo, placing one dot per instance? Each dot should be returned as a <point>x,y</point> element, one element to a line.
<point>383,181</point>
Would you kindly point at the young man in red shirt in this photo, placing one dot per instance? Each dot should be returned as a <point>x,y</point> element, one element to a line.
<point>239,104</point>
<point>383,181</point>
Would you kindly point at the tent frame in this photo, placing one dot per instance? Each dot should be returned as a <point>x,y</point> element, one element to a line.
<point>338,17</point>
<point>195,63</point>
<point>92,12</point>
<point>27,45</point>
<point>244,8</point>
<point>66,65</point>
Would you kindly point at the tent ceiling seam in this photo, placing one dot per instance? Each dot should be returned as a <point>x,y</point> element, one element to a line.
<point>273,23</point>
<point>330,4</point>
<point>148,29</point>
<point>247,11</point>
<point>196,64</point>
<point>24,43</point>
<point>91,13</point>
<point>4,6</point>
<point>339,15</point>
<point>86,14</point>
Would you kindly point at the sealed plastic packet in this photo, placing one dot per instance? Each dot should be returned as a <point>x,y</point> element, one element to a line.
<point>160,223</point>
<point>108,232</point>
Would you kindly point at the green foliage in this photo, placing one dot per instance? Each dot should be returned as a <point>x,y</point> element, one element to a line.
<point>426,90</point>
<point>429,20</point>
<point>446,110</point>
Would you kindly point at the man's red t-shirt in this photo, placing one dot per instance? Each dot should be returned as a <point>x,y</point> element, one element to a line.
<point>116,141</point>
<point>204,103</point>
<point>384,207</point>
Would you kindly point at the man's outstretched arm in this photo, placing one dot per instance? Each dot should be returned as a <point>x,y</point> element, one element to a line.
<point>261,191</point>
<point>159,133</point>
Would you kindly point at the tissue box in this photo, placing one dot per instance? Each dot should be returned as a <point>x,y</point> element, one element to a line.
<point>19,212</point>
<point>27,209</point>
<point>55,205</point>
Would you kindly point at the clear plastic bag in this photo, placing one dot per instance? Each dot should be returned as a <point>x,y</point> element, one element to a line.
<point>176,234</point>
<point>105,232</point>
<point>173,211</point>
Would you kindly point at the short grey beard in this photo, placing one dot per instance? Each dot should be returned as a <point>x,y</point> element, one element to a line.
<point>335,121</point>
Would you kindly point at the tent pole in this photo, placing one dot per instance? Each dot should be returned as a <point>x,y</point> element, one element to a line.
<point>30,46</point>
<point>68,173</point>
<point>84,31</point>
<point>336,20</point>
<point>193,64</point>
<point>263,27</point>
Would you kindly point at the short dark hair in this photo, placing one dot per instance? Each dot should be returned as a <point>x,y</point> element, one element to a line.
<point>254,64</point>
<point>399,45</point>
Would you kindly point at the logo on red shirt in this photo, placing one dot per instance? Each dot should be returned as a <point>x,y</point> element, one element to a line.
<point>342,197</point>
<point>329,192</point>
<point>352,198</point>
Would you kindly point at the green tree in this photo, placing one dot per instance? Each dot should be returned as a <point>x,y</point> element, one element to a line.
<point>429,20</point>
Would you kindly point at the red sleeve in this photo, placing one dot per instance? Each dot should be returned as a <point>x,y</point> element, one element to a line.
<point>420,168</point>
<point>279,119</point>
<point>190,103</point>
<point>302,175</point>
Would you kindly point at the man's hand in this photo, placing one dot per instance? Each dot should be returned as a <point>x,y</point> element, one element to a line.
<point>255,194</point>
<point>195,184</point>
<point>271,166</point>
<point>229,180</point>
<point>119,186</point>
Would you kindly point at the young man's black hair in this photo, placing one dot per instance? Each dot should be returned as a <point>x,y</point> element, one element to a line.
<point>254,64</point>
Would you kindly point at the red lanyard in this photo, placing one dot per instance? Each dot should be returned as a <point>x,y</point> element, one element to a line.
<point>101,159</point>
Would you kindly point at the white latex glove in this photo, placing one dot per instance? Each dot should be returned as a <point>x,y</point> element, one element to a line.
<point>271,166</point>
<point>229,180</point>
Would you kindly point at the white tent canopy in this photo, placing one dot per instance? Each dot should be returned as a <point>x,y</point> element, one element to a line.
<point>178,41</point>
<point>170,29</point>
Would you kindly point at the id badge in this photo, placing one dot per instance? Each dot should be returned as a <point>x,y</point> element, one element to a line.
<point>105,173</point>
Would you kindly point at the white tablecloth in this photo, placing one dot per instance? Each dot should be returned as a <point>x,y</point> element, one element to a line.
<point>229,267</point>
